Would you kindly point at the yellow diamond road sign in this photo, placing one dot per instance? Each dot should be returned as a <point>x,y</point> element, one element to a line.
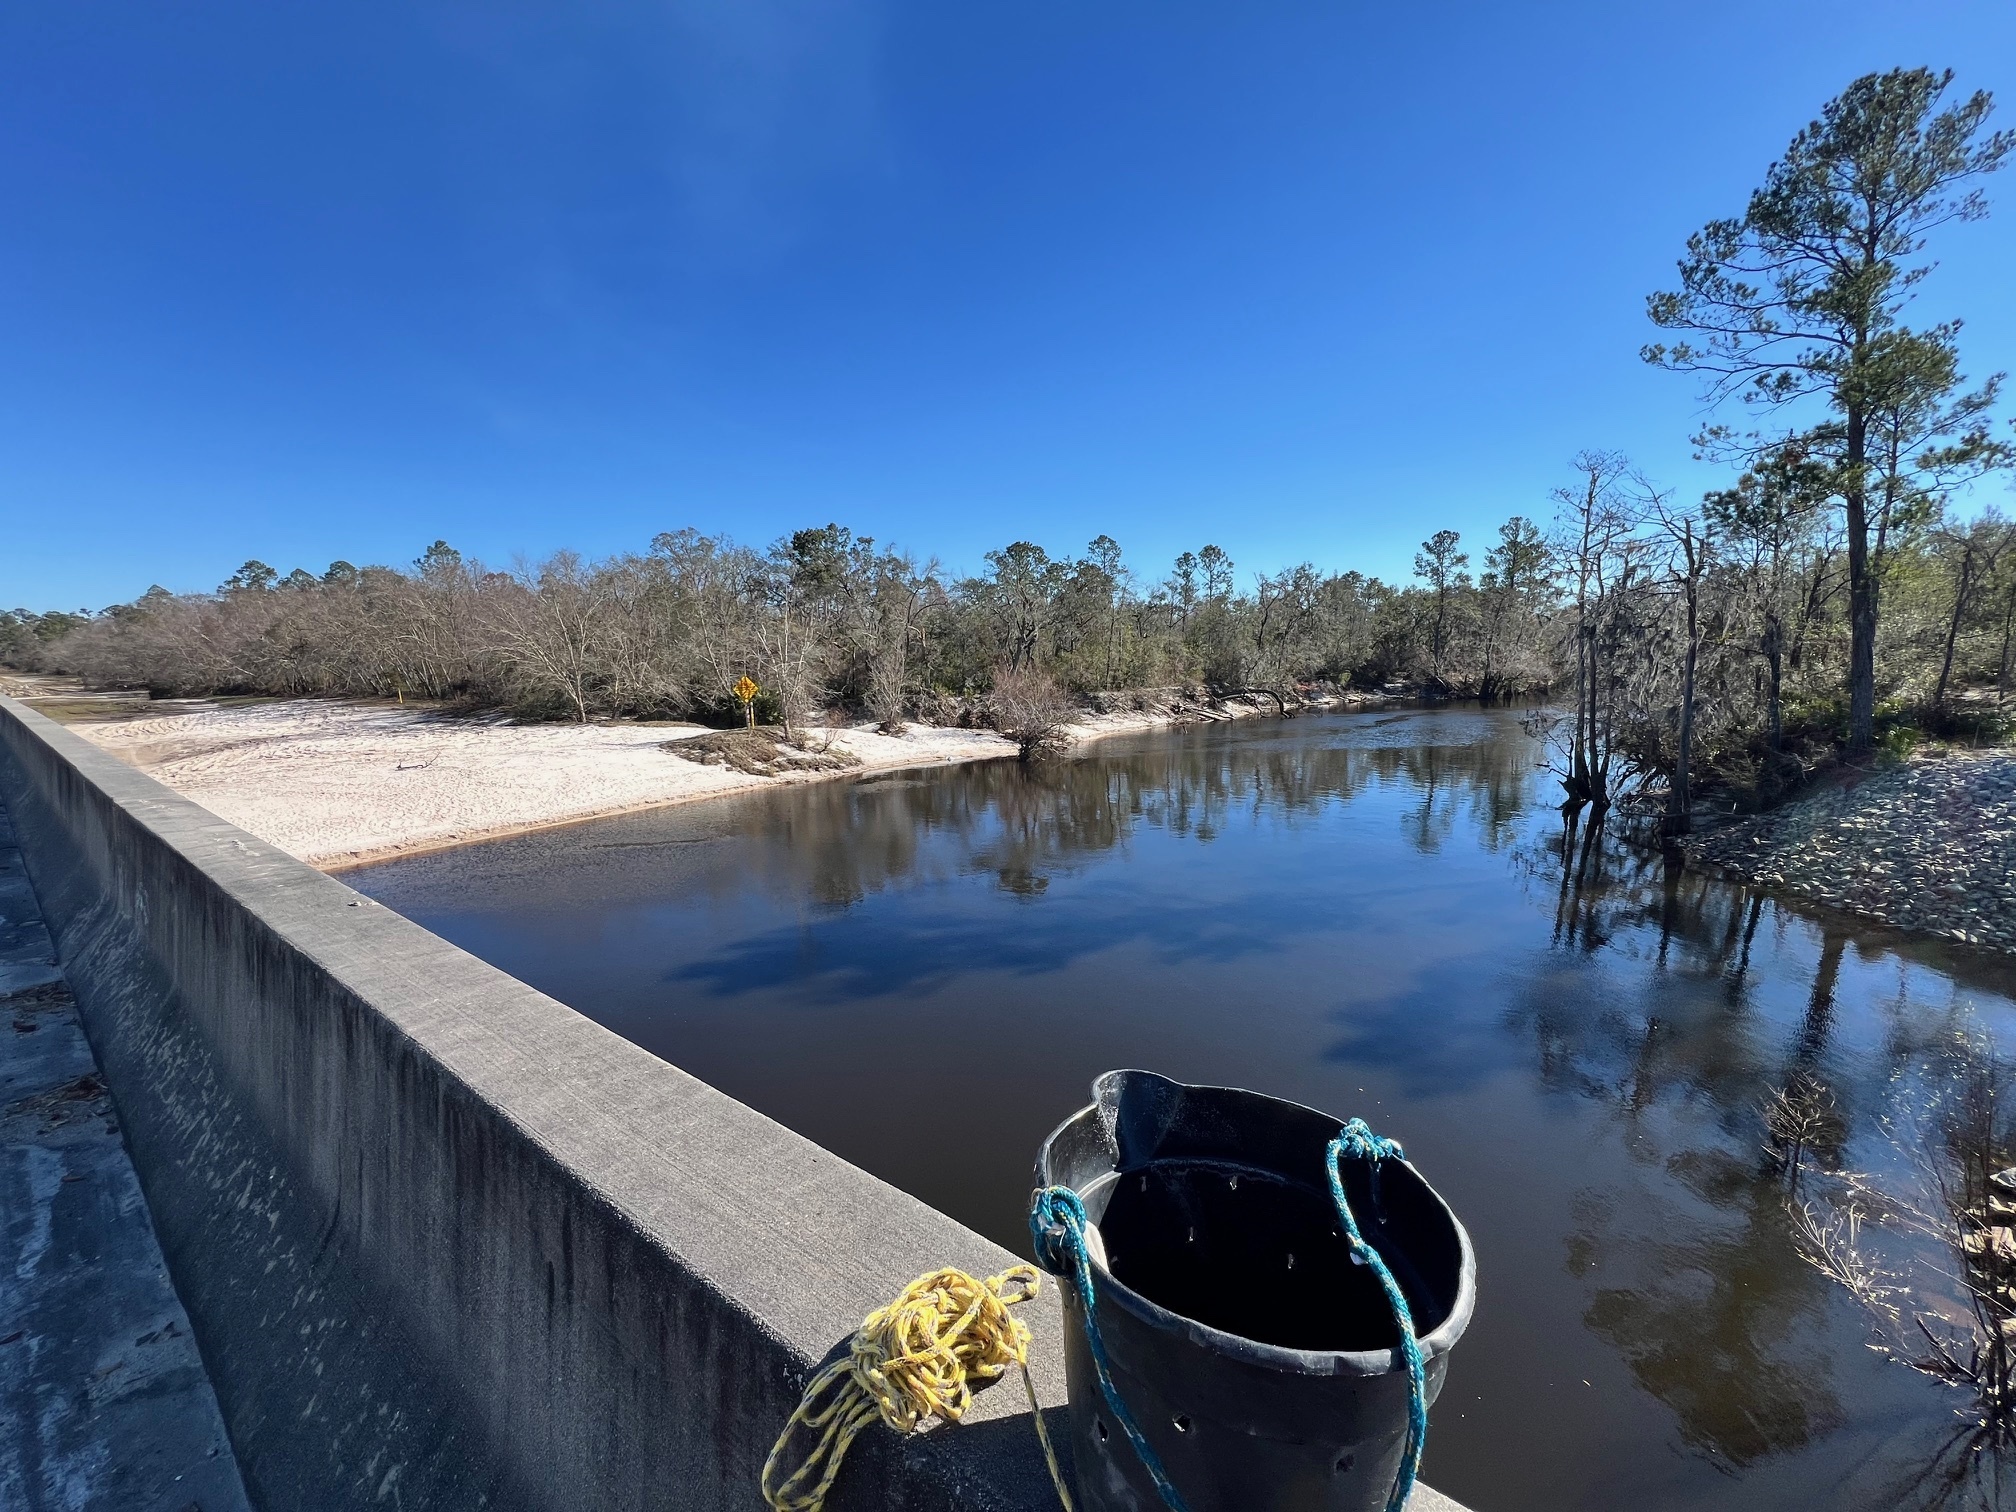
<point>746,690</point>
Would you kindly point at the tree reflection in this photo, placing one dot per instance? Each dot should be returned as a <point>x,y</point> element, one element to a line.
<point>1802,1114</point>
<point>1705,1294</point>
<point>1711,1309</point>
<point>841,843</point>
<point>1716,1316</point>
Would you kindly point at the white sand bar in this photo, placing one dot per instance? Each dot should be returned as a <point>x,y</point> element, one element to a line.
<point>336,784</point>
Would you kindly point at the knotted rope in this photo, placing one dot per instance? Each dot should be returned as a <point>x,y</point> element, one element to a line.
<point>920,1356</point>
<point>1358,1142</point>
<point>915,1359</point>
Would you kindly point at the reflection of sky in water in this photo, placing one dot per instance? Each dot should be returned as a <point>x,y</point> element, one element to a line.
<point>1369,913</point>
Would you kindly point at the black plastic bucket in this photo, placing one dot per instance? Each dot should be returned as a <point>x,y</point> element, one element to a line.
<point>1262,1365</point>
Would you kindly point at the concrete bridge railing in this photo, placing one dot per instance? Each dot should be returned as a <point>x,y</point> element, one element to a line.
<point>445,1243</point>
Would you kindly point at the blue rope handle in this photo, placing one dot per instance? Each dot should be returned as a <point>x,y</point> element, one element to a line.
<point>1357,1141</point>
<point>1057,1216</point>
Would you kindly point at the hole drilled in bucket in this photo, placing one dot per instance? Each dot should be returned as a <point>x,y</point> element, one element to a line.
<point>1211,1249</point>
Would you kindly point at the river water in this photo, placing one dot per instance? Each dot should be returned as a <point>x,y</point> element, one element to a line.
<point>1376,913</point>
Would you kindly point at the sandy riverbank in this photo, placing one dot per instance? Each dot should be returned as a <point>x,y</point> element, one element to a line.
<point>339,784</point>
<point>1929,845</point>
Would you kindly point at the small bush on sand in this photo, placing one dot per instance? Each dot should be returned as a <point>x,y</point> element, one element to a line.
<point>1031,710</point>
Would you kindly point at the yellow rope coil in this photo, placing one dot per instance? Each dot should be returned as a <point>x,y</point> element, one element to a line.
<point>915,1359</point>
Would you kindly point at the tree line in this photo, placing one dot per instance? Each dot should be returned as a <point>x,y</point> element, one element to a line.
<point>1828,594</point>
<point>821,618</point>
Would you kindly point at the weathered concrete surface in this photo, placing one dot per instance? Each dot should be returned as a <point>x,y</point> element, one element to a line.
<point>445,1243</point>
<point>103,1396</point>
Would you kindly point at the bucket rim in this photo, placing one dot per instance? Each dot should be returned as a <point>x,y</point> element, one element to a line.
<point>1278,1357</point>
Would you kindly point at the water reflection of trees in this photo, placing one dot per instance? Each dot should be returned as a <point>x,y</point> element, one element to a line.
<point>843,842</point>
<point>1704,1294</point>
<point>1711,1310</point>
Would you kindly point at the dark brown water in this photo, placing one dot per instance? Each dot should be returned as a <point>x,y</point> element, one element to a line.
<point>1370,913</point>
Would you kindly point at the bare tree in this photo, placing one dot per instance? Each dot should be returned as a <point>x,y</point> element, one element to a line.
<point>551,631</point>
<point>1601,560</point>
<point>1689,541</point>
<point>1031,710</point>
<point>1975,551</point>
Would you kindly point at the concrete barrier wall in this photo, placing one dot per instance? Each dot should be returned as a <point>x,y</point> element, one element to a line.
<point>445,1243</point>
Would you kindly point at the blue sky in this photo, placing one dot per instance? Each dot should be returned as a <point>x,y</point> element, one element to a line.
<point>1309,281</point>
